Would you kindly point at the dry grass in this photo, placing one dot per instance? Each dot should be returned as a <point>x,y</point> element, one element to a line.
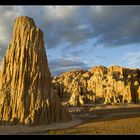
<point>122,126</point>
<point>112,119</point>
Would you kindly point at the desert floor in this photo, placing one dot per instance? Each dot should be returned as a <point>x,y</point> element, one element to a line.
<point>99,119</point>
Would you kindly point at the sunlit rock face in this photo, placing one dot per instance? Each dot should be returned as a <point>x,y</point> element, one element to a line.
<point>99,85</point>
<point>25,86</point>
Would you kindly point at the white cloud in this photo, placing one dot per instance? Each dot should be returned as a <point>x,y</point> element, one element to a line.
<point>81,27</point>
<point>132,59</point>
<point>8,15</point>
<point>59,12</point>
<point>76,25</point>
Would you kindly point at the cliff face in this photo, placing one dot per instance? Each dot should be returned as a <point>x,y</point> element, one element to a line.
<point>101,85</point>
<point>25,87</point>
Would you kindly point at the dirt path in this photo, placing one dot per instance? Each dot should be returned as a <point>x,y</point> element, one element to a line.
<point>19,129</point>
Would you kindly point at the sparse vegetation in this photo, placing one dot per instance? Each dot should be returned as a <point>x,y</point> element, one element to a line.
<point>122,126</point>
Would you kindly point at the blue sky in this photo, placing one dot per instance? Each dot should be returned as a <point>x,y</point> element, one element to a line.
<point>80,36</point>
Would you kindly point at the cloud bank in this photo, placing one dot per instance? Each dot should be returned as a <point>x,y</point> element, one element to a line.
<point>72,26</point>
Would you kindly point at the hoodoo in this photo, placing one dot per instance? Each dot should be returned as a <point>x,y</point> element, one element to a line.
<point>26,96</point>
<point>99,85</point>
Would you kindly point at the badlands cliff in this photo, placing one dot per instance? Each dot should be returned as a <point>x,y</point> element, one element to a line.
<point>99,85</point>
<point>26,96</point>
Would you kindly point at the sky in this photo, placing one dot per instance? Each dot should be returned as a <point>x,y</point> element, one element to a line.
<point>80,36</point>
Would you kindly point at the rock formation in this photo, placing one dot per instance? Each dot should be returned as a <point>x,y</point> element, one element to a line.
<point>26,96</point>
<point>99,85</point>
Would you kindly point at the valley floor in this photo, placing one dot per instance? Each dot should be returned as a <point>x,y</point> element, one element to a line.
<point>100,119</point>
<point>118,127</point>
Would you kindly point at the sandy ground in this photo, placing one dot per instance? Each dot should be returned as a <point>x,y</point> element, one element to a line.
<point>101,119</point>
<point>129,126</point>
<point>25,130</point>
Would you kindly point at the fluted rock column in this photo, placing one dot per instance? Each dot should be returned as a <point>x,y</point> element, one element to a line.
<point>25,86</point>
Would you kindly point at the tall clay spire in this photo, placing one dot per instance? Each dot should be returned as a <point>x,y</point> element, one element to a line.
<point>25,86</point>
